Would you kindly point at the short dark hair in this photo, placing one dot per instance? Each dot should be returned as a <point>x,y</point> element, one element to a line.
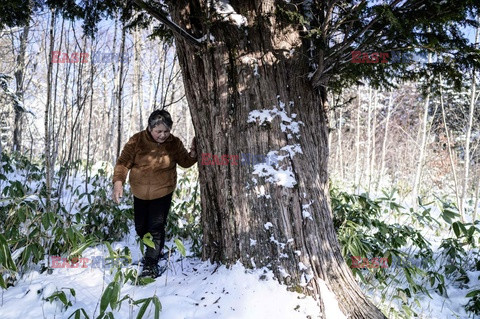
<point>160,117</point>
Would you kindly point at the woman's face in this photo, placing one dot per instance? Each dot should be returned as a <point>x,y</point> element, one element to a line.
<point>160,133</point>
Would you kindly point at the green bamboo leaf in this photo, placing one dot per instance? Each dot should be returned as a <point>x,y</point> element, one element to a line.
<point>158,306</point>
<point>471,230</point>
<point>77,314</point>
<point>473,293</point>
<point>5,255</point>
<point>84,313</point>
<point>456,229</point>
<point>463,228</point>
<point>63,297</point>
<point>82,247</point>
<point>143,308</point>
<point>180,247</point>
<point>110,249</point>
<point>140,301</point>
<point>145,281</point>
<point>106,297</point>
<point>115,296</point>
<point>148,241</point>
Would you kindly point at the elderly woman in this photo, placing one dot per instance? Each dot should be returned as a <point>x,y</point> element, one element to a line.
<point>152,156</point>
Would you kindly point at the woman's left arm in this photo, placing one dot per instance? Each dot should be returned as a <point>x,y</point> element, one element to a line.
<point>184,158</point>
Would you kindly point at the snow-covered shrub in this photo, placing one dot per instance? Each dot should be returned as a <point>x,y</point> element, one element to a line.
<point>184,216</point>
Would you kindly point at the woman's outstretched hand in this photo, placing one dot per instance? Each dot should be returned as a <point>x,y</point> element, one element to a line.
<point>193,147</point>
<point>117,191</point>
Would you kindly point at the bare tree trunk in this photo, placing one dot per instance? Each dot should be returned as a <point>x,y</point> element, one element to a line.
<point>113,101</point>
<point>357,140</point>
<point>450,155</point>
<point>340,143</point>
<point>19,79</point>
<point>423,144</point>
<point>477,195</point>
<point>120,95</point>
<point>374,140</point>
<point>368,157</point>
<point>466,172</point>
<point>331,132</point>
<point>90,114</point>
<point>249,215</point>
<point>385,139</point>
<point>137,78</point>
<point>48,138</point>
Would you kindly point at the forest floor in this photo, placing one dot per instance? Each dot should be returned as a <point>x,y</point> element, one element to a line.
<point>190,288</point>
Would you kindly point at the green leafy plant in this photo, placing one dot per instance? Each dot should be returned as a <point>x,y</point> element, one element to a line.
<point>473,305</point>
<point>183,221</point>
<point>144,306</point>
<point>365,228</point>
<point>61,296</point>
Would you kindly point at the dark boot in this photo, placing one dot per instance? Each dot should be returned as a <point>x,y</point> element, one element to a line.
<point>150,270</point>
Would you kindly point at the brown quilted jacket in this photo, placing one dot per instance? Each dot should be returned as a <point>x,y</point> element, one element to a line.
<point>153,166</point>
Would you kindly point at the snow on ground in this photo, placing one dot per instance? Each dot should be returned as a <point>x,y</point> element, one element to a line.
<point>195,289</point>
<point>189,289</point>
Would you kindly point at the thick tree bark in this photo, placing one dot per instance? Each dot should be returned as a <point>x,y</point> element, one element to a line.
<point>249,216</point>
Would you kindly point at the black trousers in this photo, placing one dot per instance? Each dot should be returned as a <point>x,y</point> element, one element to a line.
<point>151,217</point>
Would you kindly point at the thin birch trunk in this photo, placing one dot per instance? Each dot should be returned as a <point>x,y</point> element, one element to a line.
<point>475,207</point>
<point>369,138</point>
<point>339,143</point>
<point>331,131</point>
<point>48,164</point>
<point>19,79</point>
<point>91,90</point>
<point>120,90</point>
<point>373,138</point>
<point>466,172</point>
<point>450,154</point>
<point>137,83</point>
<point>385,139</point>
<point>421,156</point>
<point>357,140</point>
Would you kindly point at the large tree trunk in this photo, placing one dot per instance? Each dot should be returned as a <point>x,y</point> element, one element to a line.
<point>283,223</point>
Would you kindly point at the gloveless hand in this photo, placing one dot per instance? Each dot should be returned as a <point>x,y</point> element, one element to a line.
<point>117,191</point>
<point>193,147</point>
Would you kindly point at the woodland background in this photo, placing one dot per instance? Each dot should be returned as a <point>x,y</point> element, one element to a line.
<point>420,144</point>
<point>409,153</point>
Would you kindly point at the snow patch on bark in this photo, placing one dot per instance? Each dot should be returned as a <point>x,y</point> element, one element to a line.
<point>268,225</point>
<point>280,244</point>
<point>251,61</point>
<point>287,124</point>
<point>292,149</point>
<point>302,266</point>
<point>278,176</point>
<point>261,192</point>
<point>225,10</point>
<point>274,173</point>
<point>330,302</point>
<point>305,212</point>
<point>283,272</point>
